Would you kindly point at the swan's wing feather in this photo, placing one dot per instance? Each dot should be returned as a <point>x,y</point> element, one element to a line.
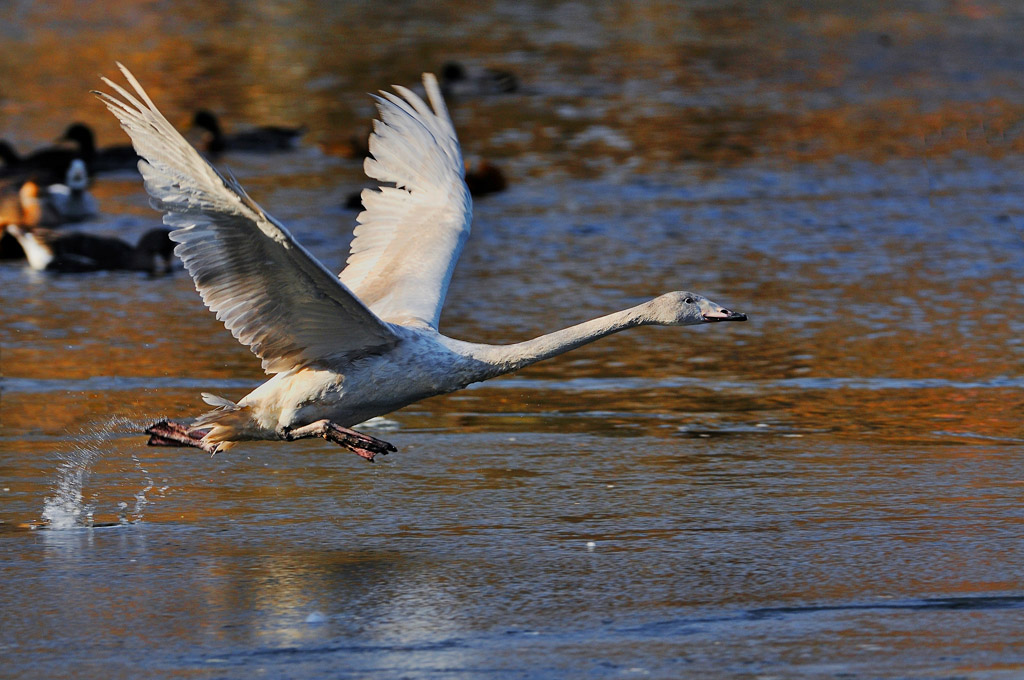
<point>267,289</point>
<point>410,235</point>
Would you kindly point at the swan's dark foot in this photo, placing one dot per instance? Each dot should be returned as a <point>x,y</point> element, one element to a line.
<point>361,444</point>
<point>170,433</point>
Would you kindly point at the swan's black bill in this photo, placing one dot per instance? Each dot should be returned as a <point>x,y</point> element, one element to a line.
<point>724,315</point>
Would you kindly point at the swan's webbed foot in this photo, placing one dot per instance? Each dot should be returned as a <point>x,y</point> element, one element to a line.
<point>361,444</point>
<point>170,433</point>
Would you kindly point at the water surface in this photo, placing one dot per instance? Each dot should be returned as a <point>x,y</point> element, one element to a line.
<point>829,490</point>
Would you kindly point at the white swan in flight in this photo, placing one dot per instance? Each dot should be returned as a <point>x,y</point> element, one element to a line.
<point>343,349</point>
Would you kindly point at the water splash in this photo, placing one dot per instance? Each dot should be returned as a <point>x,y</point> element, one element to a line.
<point>67,507</point>
<point>140,498</point>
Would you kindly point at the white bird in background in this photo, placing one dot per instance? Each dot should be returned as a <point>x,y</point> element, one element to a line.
<point>343,349</point>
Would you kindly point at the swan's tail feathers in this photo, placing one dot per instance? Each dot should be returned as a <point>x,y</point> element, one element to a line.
<point>227,423</point>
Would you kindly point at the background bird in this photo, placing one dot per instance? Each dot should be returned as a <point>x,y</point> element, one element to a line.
<point>76,251</point>
<point>264,139</point>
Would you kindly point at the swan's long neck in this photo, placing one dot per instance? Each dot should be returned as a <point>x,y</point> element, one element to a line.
<point>507,358</point>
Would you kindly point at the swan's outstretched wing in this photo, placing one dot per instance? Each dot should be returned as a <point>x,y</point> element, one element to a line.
<point>410,235</point>
<point>267,289</point>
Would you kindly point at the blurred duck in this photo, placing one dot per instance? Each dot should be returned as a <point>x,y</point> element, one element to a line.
<point>458,80</point>
<point>107,159</point>
<point>50,165</point>
<point>53,251</point>
<point>17,206</point>
<point>67,202</point>
<point>8,156</point>
<point>46,166</point>
<point>483,177</point>
<point>268,138</point>
<point>52,206</point>
<point>353,147</point>
<point>21,205</point>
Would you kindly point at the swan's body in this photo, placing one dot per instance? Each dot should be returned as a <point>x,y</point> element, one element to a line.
<point>347,348</point>
<point>422,365</point>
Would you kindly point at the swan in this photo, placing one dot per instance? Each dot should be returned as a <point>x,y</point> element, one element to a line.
<point>343,349</point>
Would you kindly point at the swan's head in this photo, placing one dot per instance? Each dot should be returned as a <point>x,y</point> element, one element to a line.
<point>683,308</point>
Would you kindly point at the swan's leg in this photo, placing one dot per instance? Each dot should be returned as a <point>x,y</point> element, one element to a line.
<point>170,433</point>
<point>362,444</point>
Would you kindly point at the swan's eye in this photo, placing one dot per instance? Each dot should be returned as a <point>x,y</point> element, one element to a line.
<point>688,300</point>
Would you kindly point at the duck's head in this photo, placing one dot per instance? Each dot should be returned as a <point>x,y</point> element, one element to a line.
<point>452,71</point>
<point>683,308</point>
<point>7,153</point>
<point>81,134</point>
<point>155,251</point>
<point>213,138</point>
<point>77,178</point>
<point>207,121</point>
